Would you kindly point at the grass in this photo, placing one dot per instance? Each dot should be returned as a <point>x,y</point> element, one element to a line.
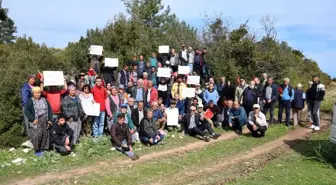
<point>159,169</point>
<point>329,99</point>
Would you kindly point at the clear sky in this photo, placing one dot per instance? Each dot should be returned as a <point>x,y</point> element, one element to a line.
<point>307,25</point>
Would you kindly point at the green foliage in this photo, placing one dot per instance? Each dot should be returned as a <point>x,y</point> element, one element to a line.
<point>7,26</point>
<point>13,137</point>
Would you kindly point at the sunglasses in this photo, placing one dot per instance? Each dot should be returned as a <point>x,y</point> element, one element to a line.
<point>193,110</point>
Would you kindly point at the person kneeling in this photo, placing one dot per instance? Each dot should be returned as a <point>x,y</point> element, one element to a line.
<point>121,137</point>
<point>149,133</point>
<point>257,122</point>
<point>194,127</point>
<point>61,136</point>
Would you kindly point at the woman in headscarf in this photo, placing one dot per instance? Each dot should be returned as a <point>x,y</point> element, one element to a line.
<point>90,78</point>
<point>73,111</point>
<point>26,94</point>
<point>39,114</point>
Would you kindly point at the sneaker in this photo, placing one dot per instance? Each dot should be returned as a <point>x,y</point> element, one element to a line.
<point>317,128</point>
<point>216,136</point>
<point>38,154</point>
<point>135,157</point>
<point>239,132</point>
<point>207,138</point>
<point>312,127</point>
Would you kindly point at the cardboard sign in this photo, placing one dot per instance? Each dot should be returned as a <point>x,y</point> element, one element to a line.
<point>53,78</point>
<point>208,114</point>
<point>194,80</point>
<point>91,109</point>
<point>111,62</point>
<point>188,92</point>
<point>163,49</point>
<point>172,116</point>
<point>164,72</point>
<point>96,50</point>
<point>183,70</point>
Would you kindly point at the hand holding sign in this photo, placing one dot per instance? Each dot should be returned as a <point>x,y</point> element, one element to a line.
<point>111,62</point>
<point>96,50</point>
<point>183,70</point>
<point>53,78</point>
<point>193,80</point>
<point>163,49</point>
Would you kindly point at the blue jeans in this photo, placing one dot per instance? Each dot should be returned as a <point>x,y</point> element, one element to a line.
<point>128,153</point>
<point>155,141</point>
<point>191,67</point>
<point>98,125</point>
<point>284,104</point>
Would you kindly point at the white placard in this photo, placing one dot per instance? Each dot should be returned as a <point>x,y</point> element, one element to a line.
<point>188,92</point>
<point>183,70</point>
<point>164,72</point>
<point>193,80</point>
<point>111,62</point>
<point>96,50</point>
<point>53,78</point>
<point>91,109</point>
<point>172,116</point>
<point>163,49</point>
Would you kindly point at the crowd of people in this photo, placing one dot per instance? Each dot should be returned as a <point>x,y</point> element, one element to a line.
<point>137,105</point>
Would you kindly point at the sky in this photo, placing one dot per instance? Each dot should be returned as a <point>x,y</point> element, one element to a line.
<point>307,25</point>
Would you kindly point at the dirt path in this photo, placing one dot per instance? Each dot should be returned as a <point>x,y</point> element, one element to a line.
<point>279,144</point>
<point>100,165</point>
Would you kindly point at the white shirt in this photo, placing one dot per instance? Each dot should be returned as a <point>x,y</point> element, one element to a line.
<point>184,55</point>
<point>141,116</point>
<point>148,95</point>
<point>261,119</point>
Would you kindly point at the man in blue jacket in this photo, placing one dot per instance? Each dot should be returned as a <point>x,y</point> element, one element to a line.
<point>269,98</point>
<point>238,118</point>
<point>286,96</point>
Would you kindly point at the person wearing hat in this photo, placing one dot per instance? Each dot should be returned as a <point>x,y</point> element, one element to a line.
<point>184,56</point>
<point>298,104</point>
<point>39,114</point>
<point>178,87</point>
<point>257,123</point>
<point>90,78</point>
<point>128,121</point>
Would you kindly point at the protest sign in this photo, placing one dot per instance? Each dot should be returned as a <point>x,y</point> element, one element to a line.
<point>183,70</point>
<point>96,50</point>
<point>208,114</point>
<point>91,109</point>
<point>111,62</point>
<point>163,49</point>
<point>188,92</point>
<point>172,116</point>
<point>164,72</point>
<point>193,80</point>
<point>53,78</point>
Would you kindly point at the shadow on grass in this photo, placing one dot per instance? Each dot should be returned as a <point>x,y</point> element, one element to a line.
<point>320,150</point>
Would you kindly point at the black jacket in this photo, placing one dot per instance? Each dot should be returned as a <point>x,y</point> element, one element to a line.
<point>135,116</point>
<point>254,92</point>
<point>186,121</point>
<point>148,128</point>
<point>228,92</point>
<point>119,133</point>
<point>59,133</point>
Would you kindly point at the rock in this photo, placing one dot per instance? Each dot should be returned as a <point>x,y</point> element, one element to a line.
<point>173,136</point>
<point>113,149</point>
<point>26,150</point>
<point>27,144</point>
<point>11,149</point>
<point>18,161</point>
<point>75,182</point>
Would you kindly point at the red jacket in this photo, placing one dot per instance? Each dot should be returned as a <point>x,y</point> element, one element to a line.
<point>154,95</point>
<point>99,96</point>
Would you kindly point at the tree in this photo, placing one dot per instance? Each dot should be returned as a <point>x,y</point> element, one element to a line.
<point>7,26</point>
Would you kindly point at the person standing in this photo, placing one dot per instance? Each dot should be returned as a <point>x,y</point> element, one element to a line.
<point>298,103</point>
<point>151,94</point>
<point>211,94</point>
<point>141,66</point>
<point>184,56</point>
<point>221,85</point>
<point>228,91</point>
<point>269,98</point>
<point>198,63</point>
<point>112,104</point>
<point>133,74</point>
<point>239,90</point>
<point>286,96</point>
<point>191,54</point>
<point>315,97</point>
<point>250,97</point>
<point>123,76</point>
<point>178,87</point>
<point>99,95</point>
<point>153,60</point>
<point>174,60</point>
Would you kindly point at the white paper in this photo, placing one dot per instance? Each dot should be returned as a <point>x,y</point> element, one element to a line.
<point>91,109</point>
<point>162,88</point>
<point>183,70</point>
<point>164,72</point>
<point>96,50</point>
<point>53,78</point>
<point>194,80</point>
<point>188,92</point>
<point>172,116</point>
<point>163,49</point>
<point>111,62</point>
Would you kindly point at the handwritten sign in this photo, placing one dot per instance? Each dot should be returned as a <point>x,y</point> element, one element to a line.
<point>193,80</point>
<point>163,49</point>
<point>183,70</point>
<point>91,109</point>
<point>96,50</point>
<point>188,92</point>
<point>164,72</point>
<point>172,116</point>
<point>53,78</point>
<point>111,62</point>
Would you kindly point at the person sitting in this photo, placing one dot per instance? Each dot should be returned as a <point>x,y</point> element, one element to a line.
<point>225,114</point>
<point>171,113</point>
<point>61,136</point>
<point>257,123</point>
<point>138,114</point>
<point>128,121</point>
<point>131,105</point>
<point>195,127</point>
<point>121,137</point>
<point>149,133</point>
<point>158,116</point>
<point>238,118</point>
<point>215,119</point>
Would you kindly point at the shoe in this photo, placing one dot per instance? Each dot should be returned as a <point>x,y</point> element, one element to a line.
<point>239,132</point>
<point>317,128</point>
<point>216,136</point>
<point>312,127</point>
<point>39,154</point>
<point>207,138</point>
<point>135,157</point>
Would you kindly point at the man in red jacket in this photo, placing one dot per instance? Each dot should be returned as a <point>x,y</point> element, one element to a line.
<point>152,94</point>
<point>99,96</point>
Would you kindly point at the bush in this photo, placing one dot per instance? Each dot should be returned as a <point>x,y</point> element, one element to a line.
<point>13,137</point>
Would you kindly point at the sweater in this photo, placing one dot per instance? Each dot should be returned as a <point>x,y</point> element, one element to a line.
<point>72,108</point>
<point>29,110</point>
<point>213,95</point>
<point>238,114</point>
<point>148,128</point>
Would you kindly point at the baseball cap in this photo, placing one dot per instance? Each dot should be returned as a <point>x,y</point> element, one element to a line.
<point>121,86</point>
<point>256,106</point>
<point>124,105</point>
